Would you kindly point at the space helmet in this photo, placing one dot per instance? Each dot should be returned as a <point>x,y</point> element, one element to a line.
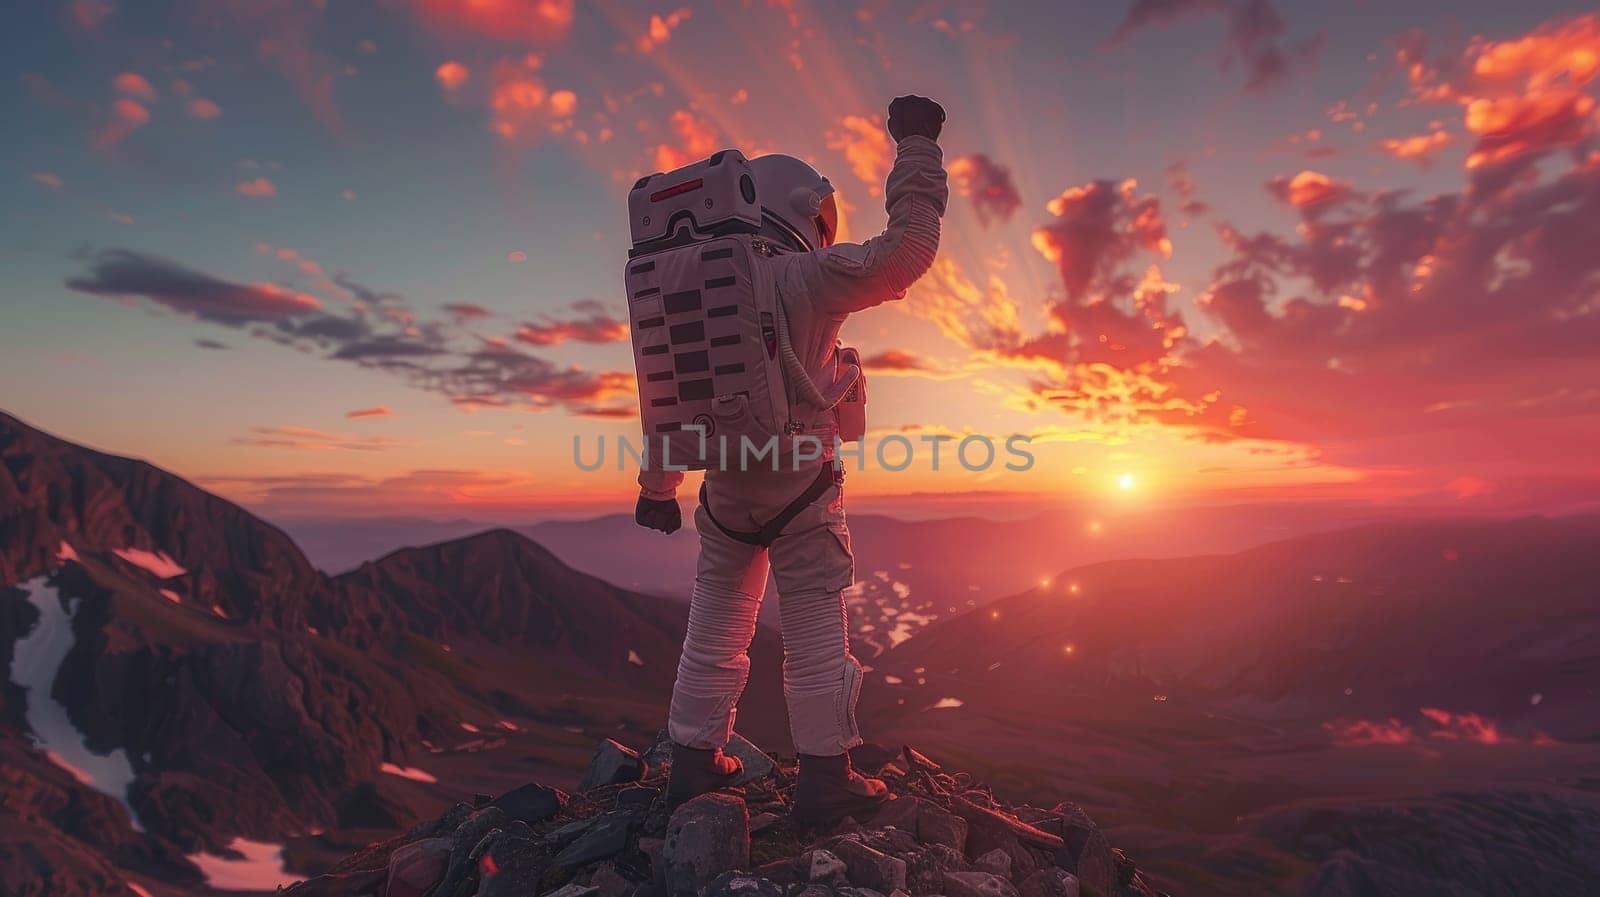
<point>797,204</point>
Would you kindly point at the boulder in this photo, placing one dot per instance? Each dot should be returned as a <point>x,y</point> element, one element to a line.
<point>757,765</point>
<point>606,838</point>
<point>977,884</point>
<point>532,803</point>
<point>573,889</point>
<point>869,868</point>
<point>508,867</point>
<point>743,884</point>
<point>1086,854</point>
<point>995,862</point>
<point>706,837</point>
<point>925,868</point>
<point>414,868</point>
<point>608,882</point>
<point>1051,881</point>
<point>823,867</point>
<point>613,763</point>
<point>935,825</point>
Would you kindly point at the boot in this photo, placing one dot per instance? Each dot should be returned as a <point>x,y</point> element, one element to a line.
<point>698,771</point>
<point>828,790</point>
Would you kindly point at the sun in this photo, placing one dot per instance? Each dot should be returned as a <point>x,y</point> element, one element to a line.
<point>1125,482</point>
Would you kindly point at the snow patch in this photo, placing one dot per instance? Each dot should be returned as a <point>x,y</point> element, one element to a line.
<point>35,661</point>
<point>947,704</point>
<point>468,727</point>
<point>156,564</point>
<point>137,889</point>
<point>409,772</point>
<point>635,659</point>
<point>260,868</point>
<point>172,596</point>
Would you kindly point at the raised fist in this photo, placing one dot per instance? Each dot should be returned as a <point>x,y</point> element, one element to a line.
<point>658,514</point>
<point>915,116</point>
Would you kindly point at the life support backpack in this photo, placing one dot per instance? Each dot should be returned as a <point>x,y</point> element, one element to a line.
<point>711,353</point>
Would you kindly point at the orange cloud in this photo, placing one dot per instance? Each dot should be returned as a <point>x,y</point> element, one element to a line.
<point>202,108</point>
<point>594,325</point>
<point>988,184</point>
<point>375,411</point>
<point>660,28</point>
<point>696,140</point>
<point>1309,189</point>
<point>134,85</point>
<point>1420,147</point>
<point>865,145</point>
<point>521,106</point>
<point>258,188</point>
<point>451,75</point>
<point>307,439</point>
<point>539,21</point>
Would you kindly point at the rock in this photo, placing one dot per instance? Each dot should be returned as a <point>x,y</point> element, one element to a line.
<point>995,862</point>
<point>988,828</point>
<point>925,868</point>
<point>416,867</point>
<point>935,825</point>
<point>762,821</point>
<point>757,765</point>
<point>606,838</point>
<point>509,867</point>
<point>814,891</point>
<point>652,849</point>
<point>1052,881</point>
<point>706,837</point>
<point>823,867</point>
<point>743,884</point>
<point>637,797</point>
<point>608,882</point>
<point>613,764</point>
<point>464,842</point>
<point>869,868</point>
<point>532,803</point>
<point>1086,855</point>
<point>977,884</point>
<point>659,753</point>
<point>571,890</point>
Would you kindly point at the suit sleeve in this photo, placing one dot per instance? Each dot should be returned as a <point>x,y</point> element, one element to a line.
<point>658,484</point>
<point>851,277</point>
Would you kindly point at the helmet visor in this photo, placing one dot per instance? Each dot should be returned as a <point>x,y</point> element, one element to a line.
<point>827,221</point>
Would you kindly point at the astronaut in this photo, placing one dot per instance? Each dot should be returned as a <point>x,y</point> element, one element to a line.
<point>793,520</point>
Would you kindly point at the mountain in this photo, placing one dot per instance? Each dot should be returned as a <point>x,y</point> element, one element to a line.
<point>1401,708</point>
<point>185,687</point>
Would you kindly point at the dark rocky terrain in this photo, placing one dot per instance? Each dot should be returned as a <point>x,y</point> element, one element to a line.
<point>943,834</point>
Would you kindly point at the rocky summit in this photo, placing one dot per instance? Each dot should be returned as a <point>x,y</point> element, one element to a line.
<point>943,834</point>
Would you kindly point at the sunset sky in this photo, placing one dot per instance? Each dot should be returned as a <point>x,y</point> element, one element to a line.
<point>365,257</point>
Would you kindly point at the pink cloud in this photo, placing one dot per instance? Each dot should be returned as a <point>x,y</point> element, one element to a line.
<point>257,188</point>
<point>988,185</point>
<point>452,75</point>
<point>659,31</point>
<point>88,14</point>
<point>127,116</point>
<point>375,411</point>
<point>48,179</point>
<point>539,21</point>
<point>696,139</point>
<point>134,85</point>
<point>202,108</point>
<point>593,325</point>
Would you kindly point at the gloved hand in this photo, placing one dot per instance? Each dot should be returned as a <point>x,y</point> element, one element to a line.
<point>915,116</point>
<point>657,514</point>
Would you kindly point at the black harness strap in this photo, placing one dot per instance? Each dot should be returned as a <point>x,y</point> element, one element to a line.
<point>769,533</point>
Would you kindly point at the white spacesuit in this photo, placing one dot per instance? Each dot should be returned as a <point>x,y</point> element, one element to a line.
<point>811,557</point>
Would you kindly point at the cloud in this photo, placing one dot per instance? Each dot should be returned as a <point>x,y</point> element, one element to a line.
<point>452,75</point>
<point>1182,183</point>
<point>988,184</point>
<point>202,108</point>
<point>696,139</point>
<point>134,85</point>
<point>126,117</point>
<point>538,21</point>
<point>522,107</point>
<point>210,344</point>
<point>382,333</point>
<point>1309,190</point>
<point>467,311</point>
<point>48,179</point>
<point>375,411</point>
<point>123,274</point>
<point>660,28</point>
<point>89,14</point>
<point>305,439</point>
<point>594,325</point>
<point>1096,227</point>
<point>1521,99</point>
<point>258,188</point>
<point>1253,40</point>
<point>865,145</point>
<point>1419,148</point>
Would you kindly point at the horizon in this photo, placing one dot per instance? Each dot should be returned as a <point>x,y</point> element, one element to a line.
<point>365,262</point>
